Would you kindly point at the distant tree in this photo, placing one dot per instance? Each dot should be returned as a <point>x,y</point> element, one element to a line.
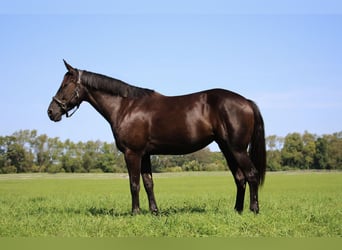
<point>321,156</point>
<point>191,166</point>
<point>309,150</point>
<point>27,151</point>
<point>160,162</point>
<point>202,156</point>
<point>71,160</point>
<point>273,160</point>
<point>334,151</point>
<point>274,142</point>
<point>42,151</point>
<point>55,149</point>
<point>217,162</point>
<point>89,153</point>
<point>25,138</point>
<point>273,145</point>
<point>292,151</point>
<point>16,156</point>
<point>110,160</point>
<point>2,153</point>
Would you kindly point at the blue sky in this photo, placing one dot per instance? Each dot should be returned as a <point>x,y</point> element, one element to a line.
<point>286,56</point>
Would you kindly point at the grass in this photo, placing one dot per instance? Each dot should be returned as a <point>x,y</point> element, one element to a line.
<point>292,204</point>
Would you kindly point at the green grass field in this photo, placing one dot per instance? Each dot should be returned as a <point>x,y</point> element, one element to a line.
<point>198,204</point>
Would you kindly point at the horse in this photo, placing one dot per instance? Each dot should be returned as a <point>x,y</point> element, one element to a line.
<point>145,122</point>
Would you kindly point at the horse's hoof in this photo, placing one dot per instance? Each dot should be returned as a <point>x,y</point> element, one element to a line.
<point>155,212</point>
<point>135,211</point>
<point>239,211</point>
<point>255,209</point>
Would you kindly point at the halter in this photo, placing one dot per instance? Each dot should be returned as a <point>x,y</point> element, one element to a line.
<point>63,105</point>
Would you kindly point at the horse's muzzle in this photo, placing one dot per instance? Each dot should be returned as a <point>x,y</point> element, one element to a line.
<point>54,117</point>
<point>54,112</point>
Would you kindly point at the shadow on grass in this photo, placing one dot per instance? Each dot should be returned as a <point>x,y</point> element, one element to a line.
<point>98,211</point>
<point>182,210</point>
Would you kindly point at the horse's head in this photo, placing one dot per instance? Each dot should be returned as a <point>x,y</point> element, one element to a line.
<point>68,96</point>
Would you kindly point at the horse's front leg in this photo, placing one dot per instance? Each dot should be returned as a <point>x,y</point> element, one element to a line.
<point>133,162</point>
<point>146,173</point>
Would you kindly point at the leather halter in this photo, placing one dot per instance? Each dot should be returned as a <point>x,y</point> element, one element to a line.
<point>64,105</point>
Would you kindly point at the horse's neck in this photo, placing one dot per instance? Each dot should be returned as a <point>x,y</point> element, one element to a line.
<point>107,105</point>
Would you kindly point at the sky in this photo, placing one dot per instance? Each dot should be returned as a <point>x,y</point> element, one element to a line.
<point>284,55</point>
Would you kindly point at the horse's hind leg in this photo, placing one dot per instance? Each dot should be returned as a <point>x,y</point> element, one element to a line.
<point>251,175</point>
<point>240,182</point>
<point>239,178</point>
<point>146,174</point>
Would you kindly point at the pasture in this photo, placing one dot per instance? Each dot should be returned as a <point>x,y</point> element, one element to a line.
<point>195,204</point>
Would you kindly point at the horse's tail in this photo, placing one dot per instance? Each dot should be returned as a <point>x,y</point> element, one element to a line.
<point>257,147</point>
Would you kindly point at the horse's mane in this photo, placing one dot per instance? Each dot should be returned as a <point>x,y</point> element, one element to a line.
<point>113,86</point>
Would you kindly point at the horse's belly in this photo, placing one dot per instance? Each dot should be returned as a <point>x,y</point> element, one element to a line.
<point>179,141</point>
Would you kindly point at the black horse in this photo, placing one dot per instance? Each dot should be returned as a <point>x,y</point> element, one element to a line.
<point>145,122</point>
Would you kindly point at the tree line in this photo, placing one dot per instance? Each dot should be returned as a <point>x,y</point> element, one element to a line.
<point>304,151</point>
<point>27,151</point>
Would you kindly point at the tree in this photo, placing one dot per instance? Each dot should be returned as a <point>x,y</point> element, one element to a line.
<point>334,151</point>
<point>274,160</point>
<point>71,160</point>
<point>27,151</point>
<point>2,153</point>
<point>321,156</point>
<point>55,150</point>
<point>89,154</point>
<point>217,162</point>
<point>292,151</point>
<point>202,156</point>
<point>309,150</point>
<point>107,159</point>
<point>191,166</point>
<point>42,151</point>
<point>274,144</point>
<point>16,157</point>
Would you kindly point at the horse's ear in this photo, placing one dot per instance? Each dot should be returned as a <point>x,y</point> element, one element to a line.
<point>68,66</point>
